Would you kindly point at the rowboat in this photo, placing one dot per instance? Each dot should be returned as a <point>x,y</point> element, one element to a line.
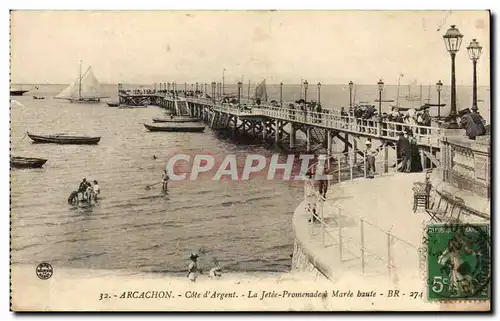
<point>26,162</point>
<point>176,120</point>
<point>64,139</point>
<point>198,128</point>
<point>113,104</point>
<point>18,92</point>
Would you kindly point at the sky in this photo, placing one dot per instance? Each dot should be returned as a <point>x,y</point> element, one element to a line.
<point>331,47</point>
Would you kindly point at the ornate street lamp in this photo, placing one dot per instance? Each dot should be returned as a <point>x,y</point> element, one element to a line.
<point>306,84</point>
<point>439,87</point>
<point>196,86</point>
<point>281,93</point>
<point>319,93</point>
<point>380,85</point>
<point>474,51</point>
<point>351,87</point>
<point>240,84</point>
<point>452,40</point>
<point>213,90</point>
<point>185,88</point>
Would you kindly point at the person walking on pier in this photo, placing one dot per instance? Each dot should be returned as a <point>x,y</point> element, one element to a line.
<point>370,155</point>
<point>404,152</point>
<point>311,196</point>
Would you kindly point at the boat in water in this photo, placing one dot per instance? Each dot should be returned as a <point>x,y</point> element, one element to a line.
<point>176,120</point>
<point>194,128</point>
<point>84,89</point>
<point>64,139</point>
<point>18,92</point>
<point>26,162</point>
<point>112,104</point>
<point>38,97</point>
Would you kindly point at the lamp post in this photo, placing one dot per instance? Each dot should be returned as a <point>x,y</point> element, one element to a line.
<point>380,85</point>
<point>351,87</point>
<point>281,94</point>
<point>306,84</point>
<point>206,88</point>
<point>474,51</point>
<point>439,87</point>
<point>452,40</point>
<point>196,87</point>
<point>185,88</point>
<point>239,91</point>
<point>319,93</point>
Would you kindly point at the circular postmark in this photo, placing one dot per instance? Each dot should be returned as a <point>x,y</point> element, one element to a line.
<point>458,261</point>
<point>44,271</point>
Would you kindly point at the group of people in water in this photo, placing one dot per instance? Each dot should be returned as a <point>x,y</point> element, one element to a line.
<point>86,192</point>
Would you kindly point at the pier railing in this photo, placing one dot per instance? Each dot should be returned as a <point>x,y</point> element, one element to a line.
<point>358,242</point>
<point>329,119</point>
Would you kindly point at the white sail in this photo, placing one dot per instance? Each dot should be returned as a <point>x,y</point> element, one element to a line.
<point>70,92</point>
<point>83,89</point>
<point>90,87</point>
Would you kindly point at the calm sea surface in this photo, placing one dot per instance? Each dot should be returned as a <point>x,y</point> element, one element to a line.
<point>245,225</point>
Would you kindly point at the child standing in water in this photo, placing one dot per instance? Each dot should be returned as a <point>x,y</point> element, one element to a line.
<point>193,267</point>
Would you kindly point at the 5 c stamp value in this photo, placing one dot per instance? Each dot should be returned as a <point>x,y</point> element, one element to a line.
<point>458,262</point>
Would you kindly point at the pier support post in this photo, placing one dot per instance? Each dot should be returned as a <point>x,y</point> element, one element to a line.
<point>235,128</point>
<point>252,123</point>
<point>277,125</point>
<point>355,149</point>
<point>346,144</point>
<point>263,130</point>
<point>293,135</point>
<point>308,133</point>
<point>386,158</point>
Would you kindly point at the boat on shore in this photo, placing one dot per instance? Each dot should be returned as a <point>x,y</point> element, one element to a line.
<point>64,139</point>
<point>195,128</point>
<point>38,97</point>
<point>176,120</point>
<point>26,162</point>
<point>110,104</point>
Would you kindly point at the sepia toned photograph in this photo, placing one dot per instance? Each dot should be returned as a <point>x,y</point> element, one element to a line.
<point>250,160</point>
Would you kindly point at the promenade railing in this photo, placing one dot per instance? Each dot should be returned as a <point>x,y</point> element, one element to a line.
<point>358,241</point>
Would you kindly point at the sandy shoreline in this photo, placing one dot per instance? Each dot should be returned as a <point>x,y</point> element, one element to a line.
<point>103,290</point>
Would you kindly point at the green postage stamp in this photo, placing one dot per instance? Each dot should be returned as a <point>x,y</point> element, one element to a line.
<point>458,261</point>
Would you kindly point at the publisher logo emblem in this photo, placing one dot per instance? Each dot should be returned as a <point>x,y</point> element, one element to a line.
<point>44,271</point>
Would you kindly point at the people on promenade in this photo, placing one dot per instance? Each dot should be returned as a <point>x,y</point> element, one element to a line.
<point>415,161</point>
<point>323,182</point>
<point>311,195</point>
<point>472,122</point>
<point>370,155</point>
<point>404,152</point>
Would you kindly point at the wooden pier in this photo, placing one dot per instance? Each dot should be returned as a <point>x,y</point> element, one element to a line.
<point>281,124</point>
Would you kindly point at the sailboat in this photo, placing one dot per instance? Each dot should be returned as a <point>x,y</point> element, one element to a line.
<point>410,97</point>
<point>85,89</point>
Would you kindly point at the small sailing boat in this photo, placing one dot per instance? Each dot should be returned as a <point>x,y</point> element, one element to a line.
<point>410,97</point>
<point>85,89</point>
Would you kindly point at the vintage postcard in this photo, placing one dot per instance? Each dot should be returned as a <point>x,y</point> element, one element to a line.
<point>250,161</point>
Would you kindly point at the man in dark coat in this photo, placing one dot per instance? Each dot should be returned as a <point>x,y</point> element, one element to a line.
<point>472,123</point>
